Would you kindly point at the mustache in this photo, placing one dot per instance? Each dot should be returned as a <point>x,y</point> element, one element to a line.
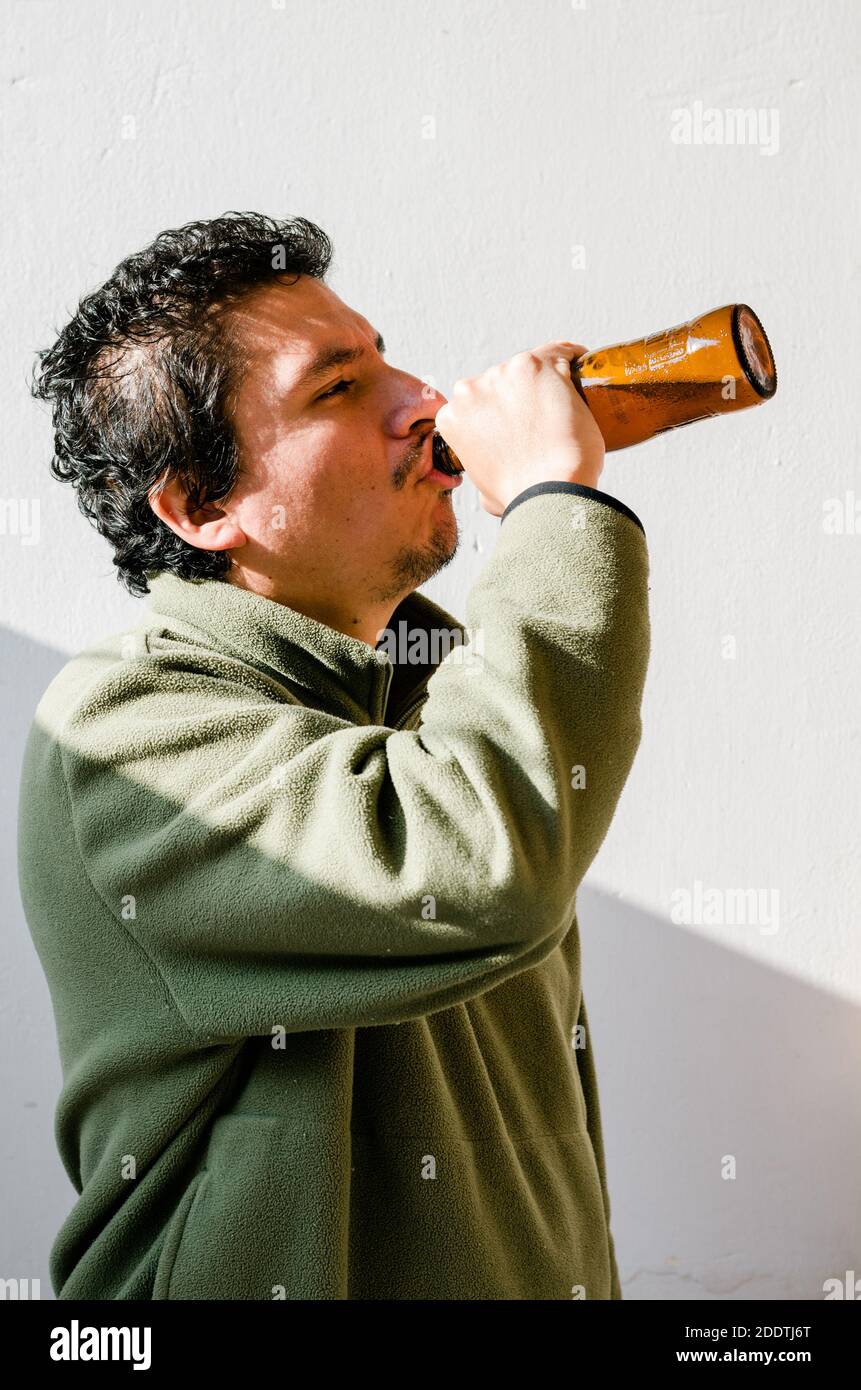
<point>444,458</point>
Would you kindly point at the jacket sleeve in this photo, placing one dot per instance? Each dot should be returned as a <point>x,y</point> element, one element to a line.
<point>284,867</point>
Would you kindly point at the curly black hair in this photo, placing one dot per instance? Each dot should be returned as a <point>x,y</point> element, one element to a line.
<point>142,376</point>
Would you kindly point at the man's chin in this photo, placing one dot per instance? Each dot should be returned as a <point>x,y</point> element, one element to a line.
<point>414,565</point>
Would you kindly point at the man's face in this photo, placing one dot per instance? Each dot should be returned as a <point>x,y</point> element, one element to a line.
<point>330,495</point>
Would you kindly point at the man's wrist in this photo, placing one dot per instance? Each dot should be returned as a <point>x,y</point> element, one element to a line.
<point>583,477</point>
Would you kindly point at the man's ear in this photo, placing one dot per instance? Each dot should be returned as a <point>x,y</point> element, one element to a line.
<point>208,527</point>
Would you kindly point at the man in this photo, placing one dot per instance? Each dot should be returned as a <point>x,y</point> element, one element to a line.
<point>305,895</point>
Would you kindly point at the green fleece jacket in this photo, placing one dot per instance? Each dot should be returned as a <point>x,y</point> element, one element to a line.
<point>306,910</point>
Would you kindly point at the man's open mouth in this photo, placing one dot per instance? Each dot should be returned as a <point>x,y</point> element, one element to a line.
<point>444,460</point>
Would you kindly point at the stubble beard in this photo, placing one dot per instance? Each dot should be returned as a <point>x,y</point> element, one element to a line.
<point>413,566</point>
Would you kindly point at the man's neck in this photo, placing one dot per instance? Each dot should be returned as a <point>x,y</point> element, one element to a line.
<point>365,622</point>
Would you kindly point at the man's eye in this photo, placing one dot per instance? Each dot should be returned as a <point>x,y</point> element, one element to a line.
<point>335,390</point>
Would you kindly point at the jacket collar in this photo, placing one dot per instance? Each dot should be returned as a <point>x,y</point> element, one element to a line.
<point>324,667</point>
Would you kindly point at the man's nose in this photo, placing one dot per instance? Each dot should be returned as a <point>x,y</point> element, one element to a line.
<point>417,403</point>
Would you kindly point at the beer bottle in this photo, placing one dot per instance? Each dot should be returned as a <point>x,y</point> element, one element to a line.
<point>714,364</point>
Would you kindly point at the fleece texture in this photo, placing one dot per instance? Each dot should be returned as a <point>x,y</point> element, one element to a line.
<point>307,912</point>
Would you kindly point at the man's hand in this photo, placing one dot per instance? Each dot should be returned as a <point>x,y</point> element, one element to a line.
<point>523,422</point>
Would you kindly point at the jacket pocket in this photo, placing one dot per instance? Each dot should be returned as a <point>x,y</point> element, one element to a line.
<point>505,1218</point>
<point>264,1220</point>
<point>174,1238</point>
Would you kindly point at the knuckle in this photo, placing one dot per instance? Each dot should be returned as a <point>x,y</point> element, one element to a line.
<point>526,361</point>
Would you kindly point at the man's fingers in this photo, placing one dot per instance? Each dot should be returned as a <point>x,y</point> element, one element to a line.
<point>560,349</point>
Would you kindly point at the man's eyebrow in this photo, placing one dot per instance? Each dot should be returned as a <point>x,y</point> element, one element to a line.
<point>330,357</point>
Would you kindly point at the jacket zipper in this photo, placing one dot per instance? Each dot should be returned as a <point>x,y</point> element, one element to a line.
<point>410,710</point>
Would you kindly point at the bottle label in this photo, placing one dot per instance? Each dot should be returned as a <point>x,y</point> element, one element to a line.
<point>662,350</point>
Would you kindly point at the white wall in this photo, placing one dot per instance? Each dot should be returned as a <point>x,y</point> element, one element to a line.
<point>456,153</point>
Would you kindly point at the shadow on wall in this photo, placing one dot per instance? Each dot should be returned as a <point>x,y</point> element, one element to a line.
<point>701,1053</point>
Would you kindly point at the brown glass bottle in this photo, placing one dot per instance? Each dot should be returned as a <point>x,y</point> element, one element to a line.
<point>714,364</point>
<point>719,362</point>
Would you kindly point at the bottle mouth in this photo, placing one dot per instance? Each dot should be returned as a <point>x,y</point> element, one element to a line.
<point>444,458</point>
<point>754,350</point>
